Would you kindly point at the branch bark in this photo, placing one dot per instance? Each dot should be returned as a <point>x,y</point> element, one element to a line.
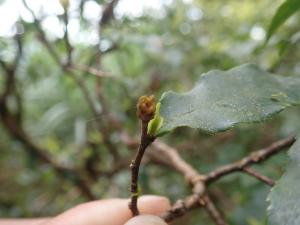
<point>165,155</point>
<point>42,35</point>
<point>68,45</point>
<point>108,13</point>
<point>146,140</point>
<point>16,131</point>
<point>258,176</point>
<point>213,211</point>
<point>254,158</point>
<point>13,123</point>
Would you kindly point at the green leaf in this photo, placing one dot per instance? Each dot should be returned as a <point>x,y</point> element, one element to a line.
<point>286,10</point>
<point>284,198</point>
<point>222,99</point>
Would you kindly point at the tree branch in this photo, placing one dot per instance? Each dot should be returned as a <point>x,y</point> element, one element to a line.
<point>181,207</point>
<point>12,122</point>
<point>4,66</point>
<point>90,70</point>
<point>146,140</point>
<point>42,35</point>
<point>254,158</point>
<point>258,176</point>
<point>166,155</point>
<point>15,129</point>
<point>19,45</point>
<point>69,47</point>
<point>163,154</point>
<point>108,13</point>
<point>212,210</point>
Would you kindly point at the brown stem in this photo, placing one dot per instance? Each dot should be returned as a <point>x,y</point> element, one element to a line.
<point>69,47</point>
<point>16,130</point>
<point>108,13</point>
<point>90,70</point>
<point>212,210</point>
<point>13,124</point>
<point>253,158</point>
<point>42,35</point>
<point>146,140</point>
<point>258,176</point>
<point>166,155</point>
<point>169,156</point>
<point>163,154</point>
<point>181,207</point>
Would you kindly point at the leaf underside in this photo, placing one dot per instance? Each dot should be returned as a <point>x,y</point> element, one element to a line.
<point>222,99</point>
<point>284,198</point>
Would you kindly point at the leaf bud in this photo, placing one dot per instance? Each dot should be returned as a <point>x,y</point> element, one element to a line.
<point>146,108</point>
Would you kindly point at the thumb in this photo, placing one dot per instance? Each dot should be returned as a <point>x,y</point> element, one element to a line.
<point>146,220</point>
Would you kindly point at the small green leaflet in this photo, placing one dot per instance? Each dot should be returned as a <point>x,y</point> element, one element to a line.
<point>285,10</point>
<point>156,122</point>
<point>223,99</point>
<point>284,198</point>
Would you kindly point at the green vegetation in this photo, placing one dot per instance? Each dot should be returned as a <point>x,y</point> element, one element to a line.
<point>70,79</point>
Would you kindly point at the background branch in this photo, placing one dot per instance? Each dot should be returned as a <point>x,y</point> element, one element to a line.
<point>258,176</point>
<point>165,155</point>
<point>212,210</point>
<point>254,158</point>
<point>146,140</point>
<point>69,47</point>
<point>42,36</point>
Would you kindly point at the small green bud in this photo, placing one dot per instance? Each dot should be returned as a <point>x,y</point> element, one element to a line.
<point>155,124</point>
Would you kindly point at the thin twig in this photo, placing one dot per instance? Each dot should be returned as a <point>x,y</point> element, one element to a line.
<point>13,122</point>
<point>108,13</point>
<point>4,66</point>
<point>181,207</point>
<point>166,155</point>
<point>42,35</point>
<point>258,176</point>
<point>18,132</point>
<point>212,210</point>
<point>19,45</point>
<point>254,158</point>
<point>69,47</point>
<point>146,108</point>
<point>90,70</point>
<point>80,82</point>
<point>146,140</point>
<point>57,59</point>
<point>169,156</point>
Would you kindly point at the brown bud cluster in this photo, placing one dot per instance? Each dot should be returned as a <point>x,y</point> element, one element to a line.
<point>146,107</point>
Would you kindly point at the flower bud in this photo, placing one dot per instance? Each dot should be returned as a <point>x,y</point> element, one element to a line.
<point>146,108</point>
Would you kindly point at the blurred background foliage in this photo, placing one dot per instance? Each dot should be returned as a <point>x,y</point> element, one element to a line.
<point>149,47</point>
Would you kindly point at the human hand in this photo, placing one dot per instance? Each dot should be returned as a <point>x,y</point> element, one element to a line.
<point>105,212</point>
<point>113,212</point>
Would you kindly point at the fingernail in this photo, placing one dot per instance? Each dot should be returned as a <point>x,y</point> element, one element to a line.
<point>155,205</point>
<point>146,220</point>
<point>153,198</point>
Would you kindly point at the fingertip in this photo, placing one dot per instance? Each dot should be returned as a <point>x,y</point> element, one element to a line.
<point>110,211</point>
<point>152,204</point>
<point>146,220</point>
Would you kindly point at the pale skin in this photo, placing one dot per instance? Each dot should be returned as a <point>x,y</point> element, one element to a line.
<point>104,212</point>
